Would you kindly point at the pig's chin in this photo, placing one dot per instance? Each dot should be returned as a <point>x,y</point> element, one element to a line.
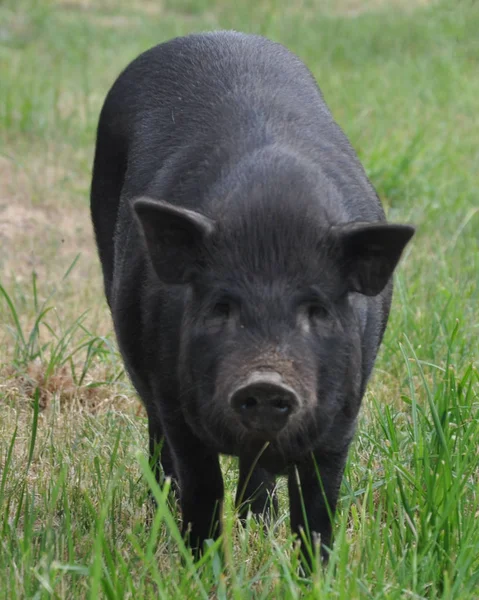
<point>223,432</point>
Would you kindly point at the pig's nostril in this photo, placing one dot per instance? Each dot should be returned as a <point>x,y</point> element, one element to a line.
<point>248,403</point>
<point>281,405</point>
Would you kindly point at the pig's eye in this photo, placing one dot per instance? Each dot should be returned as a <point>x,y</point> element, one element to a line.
<point>312,313</point>
<point>222,310</point>
<point>316,312</point>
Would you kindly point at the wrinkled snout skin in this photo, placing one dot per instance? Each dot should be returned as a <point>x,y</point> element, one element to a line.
<point>247,264</point>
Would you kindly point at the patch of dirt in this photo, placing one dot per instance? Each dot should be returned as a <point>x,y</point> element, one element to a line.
<point>36,235</point>
<point>68,225</point>
<point>16,220</point>
<point>44,228</point>
<point>47,242</point>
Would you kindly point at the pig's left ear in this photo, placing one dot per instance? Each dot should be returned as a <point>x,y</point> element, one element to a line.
<point>370,252</point>
<point>174,237</point>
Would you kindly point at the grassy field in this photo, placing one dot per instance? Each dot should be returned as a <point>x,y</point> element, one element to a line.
<point>402,79</point>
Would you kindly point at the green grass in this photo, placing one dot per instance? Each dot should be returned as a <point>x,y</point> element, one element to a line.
<point>401,79</point>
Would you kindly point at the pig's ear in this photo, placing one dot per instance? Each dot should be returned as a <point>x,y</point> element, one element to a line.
<point>174,238</point>
<point>370,252</point>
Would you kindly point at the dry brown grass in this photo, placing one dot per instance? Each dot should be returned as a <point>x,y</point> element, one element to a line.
<point>44,225</point>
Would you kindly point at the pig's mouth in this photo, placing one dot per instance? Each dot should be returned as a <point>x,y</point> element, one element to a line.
<point>239,410</point>
<point>274,445</point>
<point>261,407</point>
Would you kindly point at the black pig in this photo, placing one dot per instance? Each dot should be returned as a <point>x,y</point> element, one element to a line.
<point>247,264</point>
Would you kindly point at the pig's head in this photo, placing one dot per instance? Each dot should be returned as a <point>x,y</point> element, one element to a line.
<point>272,334</point>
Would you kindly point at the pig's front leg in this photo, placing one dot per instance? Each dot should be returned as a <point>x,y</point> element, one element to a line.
<point>201,488</point>
<point>256,490</point>
<point>313,499</point>
<point>161,459</point>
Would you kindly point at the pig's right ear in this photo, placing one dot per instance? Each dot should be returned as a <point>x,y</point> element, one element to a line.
<point>174,237</point>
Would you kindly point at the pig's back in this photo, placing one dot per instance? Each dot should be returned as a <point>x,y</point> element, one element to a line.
<point>200,102</point>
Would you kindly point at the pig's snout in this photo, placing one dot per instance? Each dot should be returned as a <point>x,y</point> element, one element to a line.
<point>264,403</point>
